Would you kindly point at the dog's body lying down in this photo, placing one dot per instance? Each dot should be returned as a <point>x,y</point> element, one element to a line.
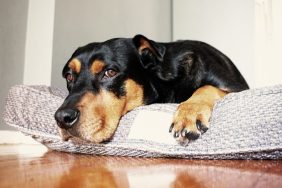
<point>106,80</point>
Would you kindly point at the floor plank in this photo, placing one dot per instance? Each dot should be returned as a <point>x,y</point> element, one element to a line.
<point>35,166</point>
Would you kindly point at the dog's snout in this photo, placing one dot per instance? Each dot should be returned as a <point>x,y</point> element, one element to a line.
<point>66,118</point>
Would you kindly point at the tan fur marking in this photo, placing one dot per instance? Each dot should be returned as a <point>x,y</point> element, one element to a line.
<point>134,96</point>
<point>75,65</point>
<point>208,94</point>
<point>100,114</point>
<point>107,109</point>
<point>97,66</point>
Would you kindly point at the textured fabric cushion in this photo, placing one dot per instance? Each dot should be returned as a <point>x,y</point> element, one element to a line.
<point>244,125</point>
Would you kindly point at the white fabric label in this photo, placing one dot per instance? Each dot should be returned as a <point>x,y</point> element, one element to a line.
<point>152,126</point>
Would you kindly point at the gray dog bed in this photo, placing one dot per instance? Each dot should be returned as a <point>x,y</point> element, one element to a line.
<point>244,125</point>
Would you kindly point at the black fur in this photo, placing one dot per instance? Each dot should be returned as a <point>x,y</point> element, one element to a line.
<point>168,72</point>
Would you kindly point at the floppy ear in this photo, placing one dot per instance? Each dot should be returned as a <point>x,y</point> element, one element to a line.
<point>151,52</point>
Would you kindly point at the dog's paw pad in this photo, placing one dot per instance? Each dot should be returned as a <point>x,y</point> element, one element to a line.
<point>192,135</point>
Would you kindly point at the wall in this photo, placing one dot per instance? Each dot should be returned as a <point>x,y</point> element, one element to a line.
<point>249,32</point>
<point>228,25</point>
<point>39,42</point>
<point>80,22</point>
<point>268,40</point>
<point>13,20</point>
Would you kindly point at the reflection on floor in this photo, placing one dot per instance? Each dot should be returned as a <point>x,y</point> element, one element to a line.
<point>35,166</point>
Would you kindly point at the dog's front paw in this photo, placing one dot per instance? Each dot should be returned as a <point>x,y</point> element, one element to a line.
<point>190,121</point>
<point>192,116</point>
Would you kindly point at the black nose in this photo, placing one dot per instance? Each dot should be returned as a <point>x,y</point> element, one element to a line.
<point>66,118</point>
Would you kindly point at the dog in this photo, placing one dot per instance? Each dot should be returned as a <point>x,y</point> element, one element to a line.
<point>108,79</point>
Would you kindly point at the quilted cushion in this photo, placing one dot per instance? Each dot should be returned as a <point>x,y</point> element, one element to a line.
<point>244,125</point>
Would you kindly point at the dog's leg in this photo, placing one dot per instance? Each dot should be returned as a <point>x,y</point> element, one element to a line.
<point>192,116</point>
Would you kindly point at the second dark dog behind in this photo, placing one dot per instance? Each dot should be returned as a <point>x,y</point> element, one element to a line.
<point>106,80</point>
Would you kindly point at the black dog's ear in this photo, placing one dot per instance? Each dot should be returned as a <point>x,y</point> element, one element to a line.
<point>149,50</point>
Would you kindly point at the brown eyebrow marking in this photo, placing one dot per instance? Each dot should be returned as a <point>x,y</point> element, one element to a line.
<point>75,65</point>
<point>97,66</point>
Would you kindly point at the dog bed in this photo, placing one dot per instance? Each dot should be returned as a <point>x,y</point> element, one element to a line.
<point>244,125</point>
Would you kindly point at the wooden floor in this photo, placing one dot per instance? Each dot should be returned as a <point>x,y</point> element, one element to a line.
<point>35,166</point>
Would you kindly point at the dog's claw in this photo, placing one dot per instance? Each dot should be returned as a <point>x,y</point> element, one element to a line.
<point>171,127</point>
<point>184,132</point>
<point>201,127</point>
<point>176,135</point>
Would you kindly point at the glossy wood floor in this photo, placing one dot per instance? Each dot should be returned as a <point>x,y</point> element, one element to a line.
<point>35,166</point>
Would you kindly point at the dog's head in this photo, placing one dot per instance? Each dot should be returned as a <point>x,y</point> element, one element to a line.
<point>105,81</point>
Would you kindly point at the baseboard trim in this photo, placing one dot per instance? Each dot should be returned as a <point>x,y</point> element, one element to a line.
<point>15,137</point>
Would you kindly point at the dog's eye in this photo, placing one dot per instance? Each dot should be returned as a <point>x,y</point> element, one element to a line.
<point>69,77</point>
<point>110,73</point>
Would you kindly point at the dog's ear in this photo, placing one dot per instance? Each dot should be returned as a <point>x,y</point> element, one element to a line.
<point>151,52</point>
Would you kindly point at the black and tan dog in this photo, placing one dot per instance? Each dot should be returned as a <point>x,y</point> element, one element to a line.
<point>106,80</point>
